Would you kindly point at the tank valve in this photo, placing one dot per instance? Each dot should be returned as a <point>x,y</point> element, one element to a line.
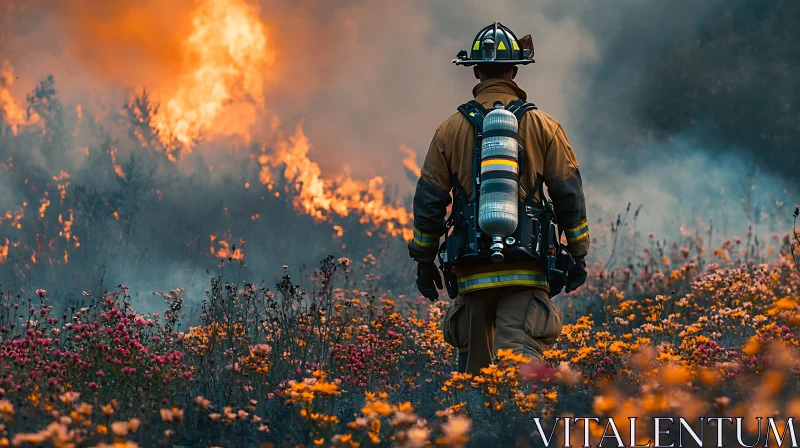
<point>497,250</point>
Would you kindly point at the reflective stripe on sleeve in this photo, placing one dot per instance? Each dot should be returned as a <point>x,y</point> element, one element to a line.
<point>425,239</point>
<point>577,233</point>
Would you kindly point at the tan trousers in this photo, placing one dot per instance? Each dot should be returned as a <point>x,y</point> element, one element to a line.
<point>522,319</point>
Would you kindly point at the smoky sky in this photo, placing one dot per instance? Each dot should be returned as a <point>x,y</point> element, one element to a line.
<point>365,76</point>
<point>724,74</point>
<point>625,78</point>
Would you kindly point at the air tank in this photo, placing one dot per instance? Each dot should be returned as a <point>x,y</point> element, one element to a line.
<point>498,205</point>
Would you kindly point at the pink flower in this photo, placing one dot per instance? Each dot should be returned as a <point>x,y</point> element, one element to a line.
<point>41,292</point>
<point>100,373</point>
<point>92,385</point>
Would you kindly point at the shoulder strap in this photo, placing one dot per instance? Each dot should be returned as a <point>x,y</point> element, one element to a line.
<point>537,188</point>
<point>474,112</point>
<point>460,199</point>
<point>520,107</point>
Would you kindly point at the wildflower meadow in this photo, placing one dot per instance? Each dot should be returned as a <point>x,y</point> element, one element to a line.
<point>680,332</point>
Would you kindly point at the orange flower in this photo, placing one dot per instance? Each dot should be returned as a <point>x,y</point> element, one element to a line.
<point>455,432</point>
<point>673,375</point>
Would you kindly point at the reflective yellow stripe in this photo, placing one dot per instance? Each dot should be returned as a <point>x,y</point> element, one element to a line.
<point>578,238</point>
<point>506,272</point>
<point>423,243</point>
<point>487,162</point>
<point>425,239</point>
<point>477,45</point>
<point>519,277</point>
<point>577,233</point>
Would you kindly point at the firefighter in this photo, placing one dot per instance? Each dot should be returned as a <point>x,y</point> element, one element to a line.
<point>505,305</point>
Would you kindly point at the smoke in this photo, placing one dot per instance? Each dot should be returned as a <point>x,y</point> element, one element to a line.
<point>723,73</point>
<point>701,87</point>
<point>685,108</point>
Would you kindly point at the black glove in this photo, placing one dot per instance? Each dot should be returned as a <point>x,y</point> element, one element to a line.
<point>428,280</point>
<point>577,275</point>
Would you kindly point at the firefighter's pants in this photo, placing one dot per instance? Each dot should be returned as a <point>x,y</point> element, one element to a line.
<point>522,319</point>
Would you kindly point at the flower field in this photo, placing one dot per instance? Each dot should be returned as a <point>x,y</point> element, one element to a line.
<point>335,366</point>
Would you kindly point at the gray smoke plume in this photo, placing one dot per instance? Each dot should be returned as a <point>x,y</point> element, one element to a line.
<point>722,73</point>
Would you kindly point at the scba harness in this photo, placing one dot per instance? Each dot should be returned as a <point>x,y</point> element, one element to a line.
<point>536,236</point>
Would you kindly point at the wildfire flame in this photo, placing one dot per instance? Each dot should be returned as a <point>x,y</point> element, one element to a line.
<point>319,197</point>
<point>221,249</point>
<point>232,52</point>
<point>217,89</point>
<point>229,54</point>
<point>14,218</point>
<point>410,162</point>
<point>14,115</point>
<point>4,252</point>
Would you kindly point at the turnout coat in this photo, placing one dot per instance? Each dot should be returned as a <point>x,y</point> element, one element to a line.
<point>547,153</point>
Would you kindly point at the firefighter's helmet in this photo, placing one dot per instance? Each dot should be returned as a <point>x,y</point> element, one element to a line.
<point>497,44</point>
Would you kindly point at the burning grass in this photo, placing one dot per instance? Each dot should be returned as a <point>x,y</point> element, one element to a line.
<point>333,365</point>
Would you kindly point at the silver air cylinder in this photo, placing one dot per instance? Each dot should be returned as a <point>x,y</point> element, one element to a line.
<point>498,206</point>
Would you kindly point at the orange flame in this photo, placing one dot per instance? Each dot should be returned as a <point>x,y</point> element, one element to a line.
<point>45,203</point>
<point>410,161</point>
<point>224,250</point>
<point>117,168</point>
<point>62,187</point>
<point>4,252</point>
<point>320,198</point>
<point>228,46</point>
<point>66,225</point>
<point>14,115</point>
<point>14,218</point>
